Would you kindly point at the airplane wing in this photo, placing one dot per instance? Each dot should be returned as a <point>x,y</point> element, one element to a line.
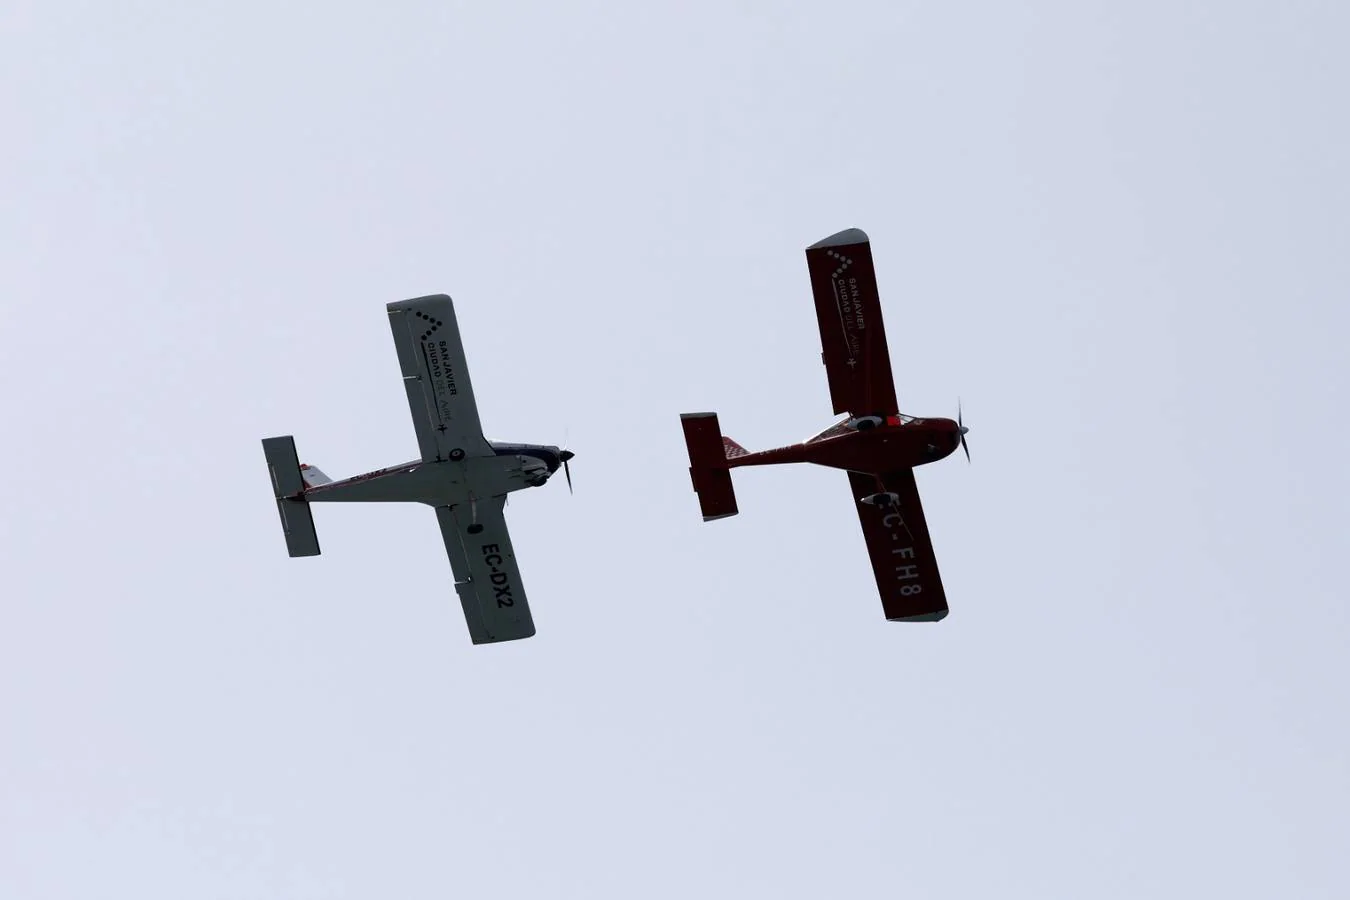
<point>852,338</point>
<point>436,376</point>
<point>486,576</point>
<point>901,551</point>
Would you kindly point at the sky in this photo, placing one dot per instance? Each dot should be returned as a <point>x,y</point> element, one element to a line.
<point>1116,232</point>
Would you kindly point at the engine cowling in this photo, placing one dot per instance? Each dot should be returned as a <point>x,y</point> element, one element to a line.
<point>886,498</point>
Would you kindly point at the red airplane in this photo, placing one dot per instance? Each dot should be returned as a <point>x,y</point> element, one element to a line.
<point>875,444</point>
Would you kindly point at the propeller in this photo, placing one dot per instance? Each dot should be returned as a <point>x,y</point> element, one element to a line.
<point>960,425</point>
<point>566,456</point>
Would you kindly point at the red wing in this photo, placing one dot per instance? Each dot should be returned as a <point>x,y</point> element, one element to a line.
<point>901,551</point>
<point>852,337</point>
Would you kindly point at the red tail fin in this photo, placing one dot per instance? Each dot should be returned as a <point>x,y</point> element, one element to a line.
<point>732,448</point>
<point>708,455</point>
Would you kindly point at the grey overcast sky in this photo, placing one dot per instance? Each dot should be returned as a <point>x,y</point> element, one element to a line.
<point>1116,231</point>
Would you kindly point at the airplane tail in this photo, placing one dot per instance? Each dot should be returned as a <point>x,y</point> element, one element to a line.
<point>289,480</point>
<point>312,476</point>
<point>708,455</point>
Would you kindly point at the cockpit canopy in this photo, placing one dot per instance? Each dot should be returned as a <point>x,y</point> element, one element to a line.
<point>842,426</point>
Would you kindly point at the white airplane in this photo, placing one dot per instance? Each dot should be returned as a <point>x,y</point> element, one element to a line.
<point>462,474</point>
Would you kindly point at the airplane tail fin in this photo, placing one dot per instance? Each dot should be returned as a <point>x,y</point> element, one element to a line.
<point>288,486</point>
<point>708,455</point>
<point>312,476</point>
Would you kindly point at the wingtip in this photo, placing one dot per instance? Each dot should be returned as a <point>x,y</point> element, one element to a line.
<point>843,238</point>
<point>481,639</point>
<point>399,306</point>
<point>922,617</point>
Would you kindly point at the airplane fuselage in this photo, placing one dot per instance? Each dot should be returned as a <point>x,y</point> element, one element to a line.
<point>886,448</point>
<point>513,467</point>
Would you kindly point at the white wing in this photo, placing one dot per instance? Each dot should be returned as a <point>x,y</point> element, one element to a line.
<point>436,375</point>
<point>487,578</point>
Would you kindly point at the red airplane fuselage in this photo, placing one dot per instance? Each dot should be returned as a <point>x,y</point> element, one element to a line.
<point>885,448</point>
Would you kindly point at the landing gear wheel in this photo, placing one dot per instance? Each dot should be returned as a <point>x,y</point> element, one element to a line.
<point>475,529</point>
<point>456,454</point>
<point>866,424</point>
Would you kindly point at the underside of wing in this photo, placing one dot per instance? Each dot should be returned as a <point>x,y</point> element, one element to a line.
<point>852,337</point>
<point>487,578</point>
<point>900,548</point>
<point>436,376</point>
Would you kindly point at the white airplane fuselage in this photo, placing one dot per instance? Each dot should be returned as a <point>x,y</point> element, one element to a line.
<point>443,482</point>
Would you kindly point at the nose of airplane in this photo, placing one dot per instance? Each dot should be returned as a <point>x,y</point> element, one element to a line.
<point>565,455</point>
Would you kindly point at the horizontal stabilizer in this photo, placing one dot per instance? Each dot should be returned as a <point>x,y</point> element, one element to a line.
<point>284,463</point>
<point>708,465</point>
<point>298,523</point>
<point>288,486</point>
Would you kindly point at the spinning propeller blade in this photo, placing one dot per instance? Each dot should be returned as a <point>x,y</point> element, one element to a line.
<point>566,457</point>
<point>961,425</point>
